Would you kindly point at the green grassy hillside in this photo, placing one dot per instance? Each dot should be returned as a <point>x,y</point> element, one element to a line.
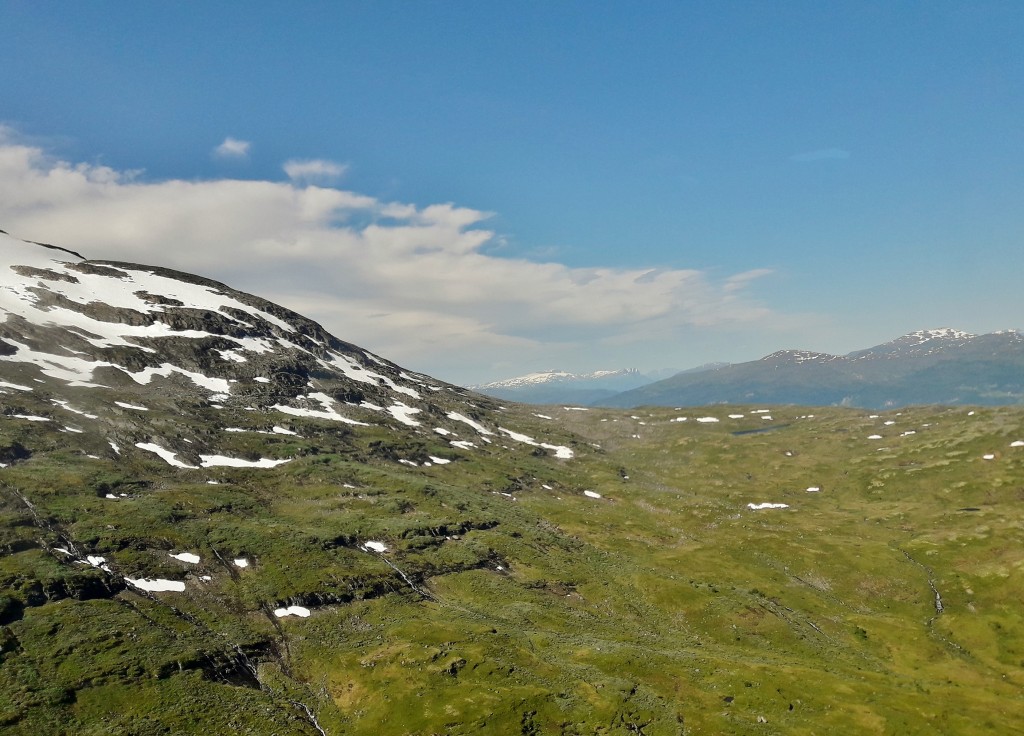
<point>510,600</point>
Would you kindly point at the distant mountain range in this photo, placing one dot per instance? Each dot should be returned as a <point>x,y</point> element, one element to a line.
<point>941,366</point>
<point>554,387</point>
<point>557,387</point>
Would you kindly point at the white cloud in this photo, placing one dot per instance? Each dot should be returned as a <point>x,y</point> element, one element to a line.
<point>232,148</point>
<point>311,170</point>
<point>414,284</point>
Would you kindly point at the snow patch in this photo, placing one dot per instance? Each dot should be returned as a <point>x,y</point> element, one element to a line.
<point>292,611</point>
<point>560,450</point>
<point>64,405</point>
<point>211,461</point>
<point>158,585</point>
<point>356,372</point>
<point>185,557</point>
<point>455,416</point>
<point>124,405</point>
<point>169,457</point>
<point>328,412</point>
<point>232,355</point>
<point>404,413</point>
<point>31,417</point>
<point>216,385</point>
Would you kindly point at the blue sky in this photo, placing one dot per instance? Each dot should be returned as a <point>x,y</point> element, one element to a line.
<point>635,184</point>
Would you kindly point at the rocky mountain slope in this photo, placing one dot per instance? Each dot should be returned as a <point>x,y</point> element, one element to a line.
<point>111,345</point>
<point>154,427</point>
<point>943,366</point>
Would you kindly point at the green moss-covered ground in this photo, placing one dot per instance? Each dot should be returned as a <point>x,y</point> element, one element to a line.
<point>510,602</point>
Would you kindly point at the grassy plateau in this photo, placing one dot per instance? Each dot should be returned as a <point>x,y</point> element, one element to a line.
<point>631,589</point>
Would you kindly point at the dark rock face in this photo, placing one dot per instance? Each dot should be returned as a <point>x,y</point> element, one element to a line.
<point>44,273</point>
<point>96,269</point>
<point>14,452</point>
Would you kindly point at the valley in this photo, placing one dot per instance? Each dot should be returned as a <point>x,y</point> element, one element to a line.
<point>509,600</point>
<point>217,517</point>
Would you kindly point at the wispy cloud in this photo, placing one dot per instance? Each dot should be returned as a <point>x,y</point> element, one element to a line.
<point>821,154</point>
<point>232,148</point>
<point>8,135</point>
<point>740,281</point>
<point>418,284</point>
<point>313,170</point>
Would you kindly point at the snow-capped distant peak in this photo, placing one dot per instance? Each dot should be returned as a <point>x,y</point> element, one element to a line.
<point>799,356</point>
<point>531,378</point>
<point>554,376</point>
<point>942,333</point>
<point>919,343</point>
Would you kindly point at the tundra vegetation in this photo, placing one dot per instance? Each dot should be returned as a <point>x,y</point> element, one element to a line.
<point>500,596</point>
